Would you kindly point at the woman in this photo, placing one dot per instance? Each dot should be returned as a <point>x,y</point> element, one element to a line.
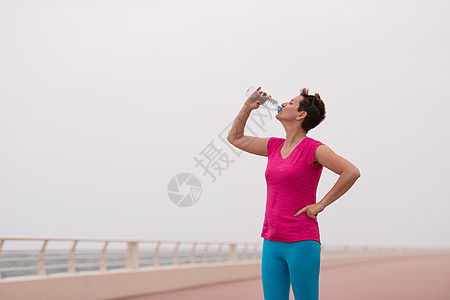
<point>291,246</point>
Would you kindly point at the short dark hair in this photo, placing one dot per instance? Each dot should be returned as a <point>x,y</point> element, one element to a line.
<point>314,107</point>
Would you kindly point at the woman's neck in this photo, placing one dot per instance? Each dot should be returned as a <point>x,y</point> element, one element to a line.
<point>293,137</point>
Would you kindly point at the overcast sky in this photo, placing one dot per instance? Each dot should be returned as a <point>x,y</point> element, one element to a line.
<point>102,103</point>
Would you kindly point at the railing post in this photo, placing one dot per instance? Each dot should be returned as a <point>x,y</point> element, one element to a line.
<point>132,255</point>
<point>41,259</point>
<point>205,254</point>
<point>70,260</point>
<point>175,255</point>
<point>102,257</point>
<point>1,246</point>
<point>192,260</point>
<point>156,254</point>
<point>232,255</point>
<point>219,254</point>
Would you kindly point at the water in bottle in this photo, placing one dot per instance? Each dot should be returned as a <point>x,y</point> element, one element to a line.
<point>266,101</point>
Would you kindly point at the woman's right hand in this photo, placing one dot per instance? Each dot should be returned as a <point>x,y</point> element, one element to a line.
<point>253,103</point>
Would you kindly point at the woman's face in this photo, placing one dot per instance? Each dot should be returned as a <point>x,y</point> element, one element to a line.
<point>289,109</point>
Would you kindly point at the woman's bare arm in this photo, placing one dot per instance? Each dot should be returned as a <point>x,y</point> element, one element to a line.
<point>348,173</point>
<point>236,135</point>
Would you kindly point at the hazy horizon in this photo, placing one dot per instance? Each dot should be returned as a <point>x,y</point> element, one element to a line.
<point>103,103</point>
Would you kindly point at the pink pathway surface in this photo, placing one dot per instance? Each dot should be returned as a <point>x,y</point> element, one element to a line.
<point>411,278</point>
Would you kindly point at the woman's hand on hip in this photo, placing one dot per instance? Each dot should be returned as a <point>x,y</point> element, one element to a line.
<point>311,210</point>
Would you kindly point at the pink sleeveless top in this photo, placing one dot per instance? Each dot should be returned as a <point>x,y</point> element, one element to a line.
<point>291,185</point>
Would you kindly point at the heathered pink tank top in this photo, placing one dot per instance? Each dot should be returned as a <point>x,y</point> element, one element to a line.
<point>291,185</point>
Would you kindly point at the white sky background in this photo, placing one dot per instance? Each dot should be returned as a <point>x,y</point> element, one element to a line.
<point>103,102</point>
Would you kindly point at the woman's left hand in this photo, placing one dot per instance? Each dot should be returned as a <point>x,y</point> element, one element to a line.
<point>311,210</point>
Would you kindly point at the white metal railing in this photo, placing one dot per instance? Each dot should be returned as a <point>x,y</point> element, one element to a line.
<point>41,260</point>
<point>133,255</point>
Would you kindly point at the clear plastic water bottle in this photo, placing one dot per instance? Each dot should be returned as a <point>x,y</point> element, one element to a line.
<point>266,101</point>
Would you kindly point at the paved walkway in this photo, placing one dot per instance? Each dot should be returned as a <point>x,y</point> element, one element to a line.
<point>411,278</point>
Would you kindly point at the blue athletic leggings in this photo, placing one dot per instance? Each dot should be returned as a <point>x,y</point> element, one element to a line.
<point>296,263</point>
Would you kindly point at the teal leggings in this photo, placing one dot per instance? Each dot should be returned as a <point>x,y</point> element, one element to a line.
<point>296,263</point>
